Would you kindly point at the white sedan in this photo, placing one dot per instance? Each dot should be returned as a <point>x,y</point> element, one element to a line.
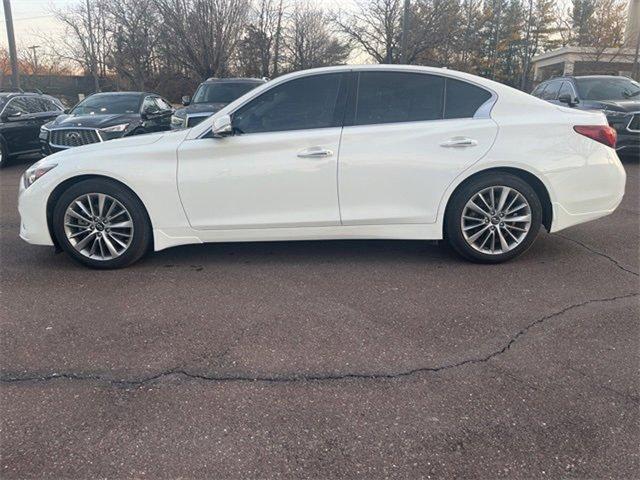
<point>353,152</point>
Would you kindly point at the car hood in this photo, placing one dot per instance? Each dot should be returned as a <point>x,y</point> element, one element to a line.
<point>631,105</point>
<point>199,108</point>
<point>91,121</point>
<point>118,144</point>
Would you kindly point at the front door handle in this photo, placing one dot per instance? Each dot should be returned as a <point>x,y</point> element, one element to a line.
<point>315,152</point>
<point>459,142</point>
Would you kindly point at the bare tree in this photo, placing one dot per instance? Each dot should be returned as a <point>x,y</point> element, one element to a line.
<point>202,35</point>
<point>259,49</point>
<point>309,42</point>
<point>86,41</point>
<point>133,26</point>
<point>376,27</point>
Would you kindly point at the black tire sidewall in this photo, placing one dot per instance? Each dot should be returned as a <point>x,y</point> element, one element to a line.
<point>142,235</point>
<point>453,228</point>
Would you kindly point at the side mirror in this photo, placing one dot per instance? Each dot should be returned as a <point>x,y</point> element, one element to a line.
<point>222,126</point>
<point>186,100</point>
<point>568,99</point>
<point>14,116</point>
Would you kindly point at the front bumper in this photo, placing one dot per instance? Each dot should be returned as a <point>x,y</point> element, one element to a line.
<point>32,206</point>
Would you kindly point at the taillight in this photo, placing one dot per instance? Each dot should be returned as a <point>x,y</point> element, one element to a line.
<point>600,133</point>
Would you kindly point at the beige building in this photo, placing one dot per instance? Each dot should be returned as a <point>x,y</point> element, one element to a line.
<point>593,60</point>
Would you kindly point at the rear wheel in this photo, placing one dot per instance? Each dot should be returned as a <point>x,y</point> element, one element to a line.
<point>101,224</point>
<point>493,218</point>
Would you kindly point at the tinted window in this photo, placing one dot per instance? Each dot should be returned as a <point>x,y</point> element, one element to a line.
<point>107,103</point>
<point>223,92</point>
<point>163,104</point>
<point>47,105</point>
<point>463,99</point>
<point>390,97</point>
<point>34,105</point>
<point>566,88</point>
<point>149,105</point>
<point>538,90</point>
<point>309,102</point>
<point>551,92</point>
<point>607,88</point>
<point>17,105</point>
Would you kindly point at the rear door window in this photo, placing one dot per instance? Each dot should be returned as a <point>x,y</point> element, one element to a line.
<point>392,97</point>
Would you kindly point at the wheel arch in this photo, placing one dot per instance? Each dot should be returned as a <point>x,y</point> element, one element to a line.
<point>534,181</point>
<point>66,184</point>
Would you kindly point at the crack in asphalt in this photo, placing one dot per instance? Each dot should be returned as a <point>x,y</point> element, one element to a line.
<point>597,252</point>
<point>291,378</point>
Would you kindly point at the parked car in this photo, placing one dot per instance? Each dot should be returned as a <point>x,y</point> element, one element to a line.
<point>21,116</point>
<point>617,97</point>
<point>384,151</point>
<point>106,116</point>
<point>211,96</point>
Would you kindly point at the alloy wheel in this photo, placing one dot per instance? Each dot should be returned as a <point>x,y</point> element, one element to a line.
<point>98,226</point>
<point>496,220</point>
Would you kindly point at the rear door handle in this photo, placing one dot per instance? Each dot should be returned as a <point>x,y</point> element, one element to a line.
<point>459,142</point>
<point>315,152</point>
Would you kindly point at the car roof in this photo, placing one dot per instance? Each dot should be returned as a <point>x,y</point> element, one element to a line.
<point>234,80</point>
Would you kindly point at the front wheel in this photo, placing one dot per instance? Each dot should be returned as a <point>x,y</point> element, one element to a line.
<point>101,224</point>
<point>493,218</point>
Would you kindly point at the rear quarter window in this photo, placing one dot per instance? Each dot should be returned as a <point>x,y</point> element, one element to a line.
<point>463,99</point>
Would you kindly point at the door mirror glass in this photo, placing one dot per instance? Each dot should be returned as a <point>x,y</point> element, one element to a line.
<point>186,100</point>
<point>222,126</point>
<point>16,115</point>
<point>567,98</point>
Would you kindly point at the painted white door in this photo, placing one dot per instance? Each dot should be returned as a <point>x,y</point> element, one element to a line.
<point>406,145</point>
<point>279,169</point>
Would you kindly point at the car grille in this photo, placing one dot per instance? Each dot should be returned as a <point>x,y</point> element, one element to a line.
<point>634,124</point>
<point>192,121</point>
<point>73,137</point>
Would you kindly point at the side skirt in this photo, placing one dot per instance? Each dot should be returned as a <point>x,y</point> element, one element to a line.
<point>165,238</point>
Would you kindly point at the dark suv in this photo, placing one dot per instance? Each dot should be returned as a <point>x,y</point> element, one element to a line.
<point>21,116</point>
<point>617,97</point>
<point>210,97</point>
<point>105,116</point>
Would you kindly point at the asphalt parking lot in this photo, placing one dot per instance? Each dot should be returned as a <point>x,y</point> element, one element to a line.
<point>324,359</point>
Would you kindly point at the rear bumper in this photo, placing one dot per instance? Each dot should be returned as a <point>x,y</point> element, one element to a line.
<point>588,192</point>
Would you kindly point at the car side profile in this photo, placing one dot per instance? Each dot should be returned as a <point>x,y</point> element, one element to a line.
<point>21,116</point>
<point>106,116</point>
<point>351,152</point>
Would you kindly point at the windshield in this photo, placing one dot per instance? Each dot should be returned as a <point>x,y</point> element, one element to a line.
<point>108,104</point>
<point>607,88</point>
<point>221,92</point>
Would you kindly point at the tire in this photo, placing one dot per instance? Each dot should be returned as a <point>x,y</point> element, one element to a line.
<point>4,153</point>
<point>504,239</point>
<point>124,236</point>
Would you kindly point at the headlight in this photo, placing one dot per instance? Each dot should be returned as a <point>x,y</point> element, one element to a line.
<point>35,172</point>
<point>116,128</point>
<point>177,122</point>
